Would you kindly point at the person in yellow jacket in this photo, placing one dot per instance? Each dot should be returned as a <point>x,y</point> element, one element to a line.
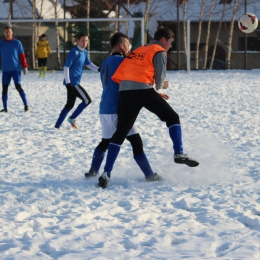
<point>42,51</point>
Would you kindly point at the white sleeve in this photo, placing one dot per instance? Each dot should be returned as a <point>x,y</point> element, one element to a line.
<point>66,73</point>
<point>92,67</point>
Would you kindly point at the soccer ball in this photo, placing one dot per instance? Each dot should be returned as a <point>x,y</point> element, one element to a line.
<point>247,23</point>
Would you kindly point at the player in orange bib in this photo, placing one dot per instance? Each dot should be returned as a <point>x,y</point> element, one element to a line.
<point>136,76</point>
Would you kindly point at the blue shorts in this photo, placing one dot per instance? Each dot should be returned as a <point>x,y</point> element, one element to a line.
<point>8,75</point>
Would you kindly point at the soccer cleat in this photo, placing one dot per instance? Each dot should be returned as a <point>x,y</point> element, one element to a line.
<point>153,177</point>
<point>26,108</point>
<point>185,159</point>
<point>91,174</point>
<point>4,110</point>
<point>72,122</point>
<point>103,180</point>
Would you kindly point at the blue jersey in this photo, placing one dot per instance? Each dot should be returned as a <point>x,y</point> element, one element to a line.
<point>110,96</point>
<point>11,52</point>
<point>75,62</point>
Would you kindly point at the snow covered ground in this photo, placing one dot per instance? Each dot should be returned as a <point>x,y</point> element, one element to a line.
<point>50,211</point>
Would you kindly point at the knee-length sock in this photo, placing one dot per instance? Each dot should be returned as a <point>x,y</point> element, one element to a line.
<point>64,112</point>
<point>144,164</point>
<point>176,136</point>
<point>78,110</point>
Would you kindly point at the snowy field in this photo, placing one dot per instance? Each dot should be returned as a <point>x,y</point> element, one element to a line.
<point>50,211</point>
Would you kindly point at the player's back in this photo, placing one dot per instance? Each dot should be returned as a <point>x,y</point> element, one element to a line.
<point>110,96</point>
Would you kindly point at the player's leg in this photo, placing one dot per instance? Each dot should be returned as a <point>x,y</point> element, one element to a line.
<point>71,98</point>
<point>44,66</point>
<point>6,79</point>
<point>4,97</point>
<point>97,158</point>
<point>81,93</point>
<point>140,157</point>
<point>157,105</point>
<point>128,111</point>
<point>40,67</point>
<point>17,82</point>
<point>108,125</point>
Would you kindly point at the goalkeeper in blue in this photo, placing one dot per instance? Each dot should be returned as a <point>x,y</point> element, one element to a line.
<point>108,112</point>
<point>12,57</point>
<point>73,69</point>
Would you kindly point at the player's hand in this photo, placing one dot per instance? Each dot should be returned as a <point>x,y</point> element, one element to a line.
<point>164,96</point>
<point>25,71</point>
<point>166,84</point>
<point>50,56</point>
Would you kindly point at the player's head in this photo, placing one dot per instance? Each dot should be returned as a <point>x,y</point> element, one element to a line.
<point>165,36</point>
<point>120,43</point>
<point>8,32</point>
<point>43,37</point>
<point>82,40</point>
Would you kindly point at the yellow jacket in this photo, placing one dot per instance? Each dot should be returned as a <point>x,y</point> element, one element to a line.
<point>43,49</point>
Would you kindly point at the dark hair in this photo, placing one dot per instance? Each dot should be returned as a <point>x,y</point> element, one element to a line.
<point>163,32</point>
<point>43,35</point>
<point>117,38</point>
<point>8,27</point>
<point>81,35</point>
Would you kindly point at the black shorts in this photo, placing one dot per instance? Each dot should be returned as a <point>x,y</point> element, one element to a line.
<point>42,62</point>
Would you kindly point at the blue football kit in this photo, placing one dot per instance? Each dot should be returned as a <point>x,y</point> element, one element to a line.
<point>12,58</point>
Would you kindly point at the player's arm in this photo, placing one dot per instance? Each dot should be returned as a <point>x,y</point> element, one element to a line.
<point>159,62</point>
<point>160,73</point>
<point>22,57</point>
<point>89,63</point>
<point>92,66</point>
<point>49,50</point>
<point>66,72</point>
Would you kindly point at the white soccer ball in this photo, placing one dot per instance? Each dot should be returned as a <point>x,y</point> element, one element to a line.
<point>247,23</point>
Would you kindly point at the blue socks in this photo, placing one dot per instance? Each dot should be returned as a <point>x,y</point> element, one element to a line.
<point>144,165</point>
<point>4,99</point>
<point>97,159</point>
<point>23,96</point>
<point>113,151</point>
<point>64,112</point>
<point>78,110</point>
<point>176,136</point>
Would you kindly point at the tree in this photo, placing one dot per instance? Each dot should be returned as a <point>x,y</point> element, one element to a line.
<point>57,35</point>
<point>98,36</point>
<point>199,35</point>
<point>216,39</point>
<point>208,34</point>
<point>33,34</point>
<point>184,26</point>
<point>230,36</point>
<point>146,20</point>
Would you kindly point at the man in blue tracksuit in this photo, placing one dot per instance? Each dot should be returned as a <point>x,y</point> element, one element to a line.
<point>108,112</point>
<point>12,57</point>
<point>73,69</point>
